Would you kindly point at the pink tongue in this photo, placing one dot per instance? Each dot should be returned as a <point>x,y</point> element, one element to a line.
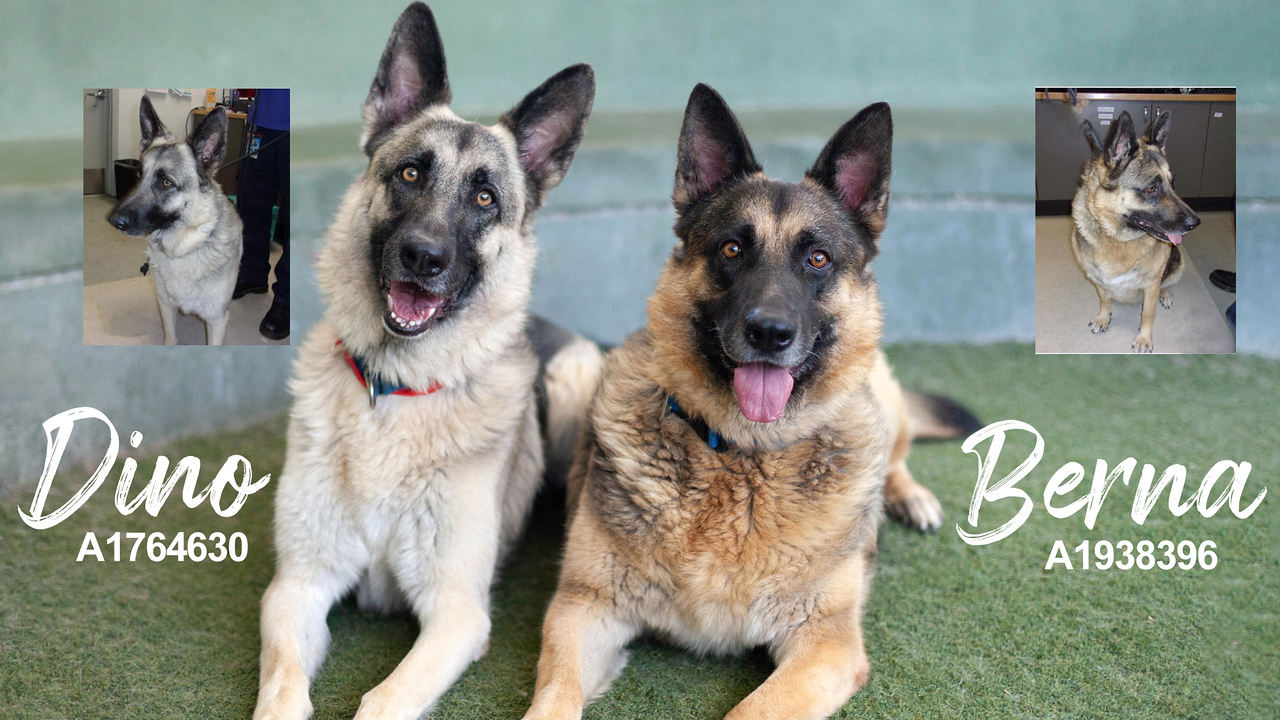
<point>411,302</point>
<point>762,390</point>
<point>1175,239</point>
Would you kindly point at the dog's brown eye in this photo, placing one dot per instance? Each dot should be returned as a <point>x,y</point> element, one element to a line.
<point>410,174</point>
<point>166,182</point>
<point>819,259</point>
<point>1151,189</point>
<point>485,198</point>
<point>731,249</point>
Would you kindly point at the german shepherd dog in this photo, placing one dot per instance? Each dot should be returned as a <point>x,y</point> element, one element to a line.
<point>193,231</point>
<point>415,444</point>
<point>1128,223</point>
<point>741,450</point>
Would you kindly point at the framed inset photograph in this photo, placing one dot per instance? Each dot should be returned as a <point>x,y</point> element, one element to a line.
<point>186,216</point>
<point>1135,220</point>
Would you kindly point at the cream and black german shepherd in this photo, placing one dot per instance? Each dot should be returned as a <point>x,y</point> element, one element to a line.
<point>1128,223</point>
<point>414,444</point>
<point>743,447</point>
<point>194,233</point>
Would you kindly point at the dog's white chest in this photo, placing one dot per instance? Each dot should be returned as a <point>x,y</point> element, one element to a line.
<point>199,282</point>
<point>1122,283</point>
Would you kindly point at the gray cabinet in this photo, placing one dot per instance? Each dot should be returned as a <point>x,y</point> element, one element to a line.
<point>1189,121</point>
<point>1061,149</point>
<point>1103,113</point>
<point>1200,147</point>
<point>1219,177</point>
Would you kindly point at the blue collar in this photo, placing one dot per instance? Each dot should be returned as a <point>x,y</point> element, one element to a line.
<point>709,436</point>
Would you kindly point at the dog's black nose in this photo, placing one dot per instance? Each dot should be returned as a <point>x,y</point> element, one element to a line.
<point>769,332</point>
<point>119,220</point>
<point>1191,222</point>
<point>425,257</point>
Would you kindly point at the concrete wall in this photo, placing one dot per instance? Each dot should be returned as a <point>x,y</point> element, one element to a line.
<point>957,256</point>
<point>980,54</point>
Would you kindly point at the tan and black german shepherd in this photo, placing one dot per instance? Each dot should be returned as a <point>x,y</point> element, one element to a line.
<point>742,448</point>
<point>1128,223</point>
<point>424,396</point>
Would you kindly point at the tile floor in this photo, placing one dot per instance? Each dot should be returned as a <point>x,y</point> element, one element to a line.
<point>1066,301</point>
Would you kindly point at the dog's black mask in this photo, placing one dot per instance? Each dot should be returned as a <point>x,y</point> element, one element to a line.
<point>426,251</point>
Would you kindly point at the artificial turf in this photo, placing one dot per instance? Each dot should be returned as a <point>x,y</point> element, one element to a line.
<point>952,630</point>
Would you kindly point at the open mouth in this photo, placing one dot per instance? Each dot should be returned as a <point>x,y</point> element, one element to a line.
<point>411,309</point>
<point>763,390</point>
<point>1151,230</point>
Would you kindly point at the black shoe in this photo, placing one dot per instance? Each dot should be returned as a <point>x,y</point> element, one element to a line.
<point>275,325</point>
<point>244,288</point>
<point>1223,280</point>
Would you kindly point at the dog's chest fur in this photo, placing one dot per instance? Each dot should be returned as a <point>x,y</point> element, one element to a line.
<point>1123,267</point>
<point>725,550</point>
<point>201,280</point>
<point>388,454</point>
<point>381,489</point>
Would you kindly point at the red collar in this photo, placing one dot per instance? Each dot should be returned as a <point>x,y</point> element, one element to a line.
<point>376,385</point>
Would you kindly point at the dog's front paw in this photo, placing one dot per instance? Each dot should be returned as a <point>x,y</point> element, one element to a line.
<point>916,508</point>
<point>286,703</point>
<point>542,714</point>
<point>551,705</point>
<point>301,713</point>
<point>1100,324</point>
<point>1166,299</point>
<point>1142,343</point>
<point>375,706</point>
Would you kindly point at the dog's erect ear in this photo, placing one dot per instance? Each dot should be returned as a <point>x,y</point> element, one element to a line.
<point>411,76</point>
<point>1122,143</point>
<point>1158,132</point>
<point>152,128</point>
<point>713,149</point>
<point>1091,137</point>
<point>855,166</point>
<point>209,141</point>
<point>548,125</point>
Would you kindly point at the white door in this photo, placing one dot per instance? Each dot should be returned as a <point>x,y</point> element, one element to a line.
<point>97,147</point>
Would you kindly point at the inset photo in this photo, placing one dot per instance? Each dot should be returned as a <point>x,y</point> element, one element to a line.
<point>186,216</point>
<point>1135,220</point>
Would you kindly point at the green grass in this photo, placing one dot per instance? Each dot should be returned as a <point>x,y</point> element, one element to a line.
<point>951,630</point>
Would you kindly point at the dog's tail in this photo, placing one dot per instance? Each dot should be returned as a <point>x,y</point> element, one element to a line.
<point>571,370</point>
<point>934,417</point>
